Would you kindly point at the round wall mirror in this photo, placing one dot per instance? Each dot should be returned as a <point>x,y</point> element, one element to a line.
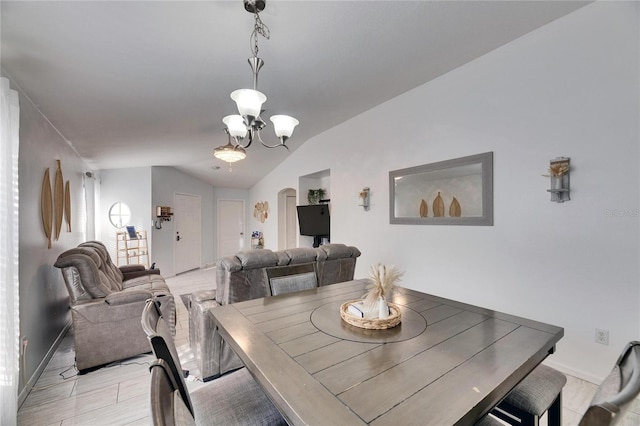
<point>119,215</point>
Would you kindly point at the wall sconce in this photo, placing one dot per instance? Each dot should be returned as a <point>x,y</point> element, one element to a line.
<point>163,214</point>
<point>559,170</point>
<point>364,197</point>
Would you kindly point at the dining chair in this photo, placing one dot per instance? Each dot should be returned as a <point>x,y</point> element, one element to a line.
<point>287,279</point>
<point>539,392</point>
<point>167,406</point>
<point>613,397</point>
<point>233,399</point>
<point>617,392</point>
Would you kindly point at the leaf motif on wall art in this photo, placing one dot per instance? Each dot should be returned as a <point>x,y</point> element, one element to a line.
<point>424,208</point>
<point>454,209</point>
<point>46,206</point>
<point>67,206</point>
<point>58,199</point>
<point>438,206</point>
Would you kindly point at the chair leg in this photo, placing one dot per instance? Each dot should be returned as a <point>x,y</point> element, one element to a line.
<point>530,420</point>
<point>554,414</point>
<point>514,416</point>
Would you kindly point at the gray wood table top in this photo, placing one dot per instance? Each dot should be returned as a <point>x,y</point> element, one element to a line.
<point>320,370</point>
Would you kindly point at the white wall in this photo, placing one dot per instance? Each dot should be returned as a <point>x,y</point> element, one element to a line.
<point>167,181</point>
<point>44,300</point>
<point>567,89</point>
<point>131,186</point>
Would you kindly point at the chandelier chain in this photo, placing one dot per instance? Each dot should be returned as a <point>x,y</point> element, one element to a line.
<point>259,29</point>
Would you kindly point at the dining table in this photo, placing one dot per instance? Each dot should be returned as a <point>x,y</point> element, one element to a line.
<point>446,363</point>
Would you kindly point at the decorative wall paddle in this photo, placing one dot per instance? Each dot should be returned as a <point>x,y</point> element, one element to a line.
<point>46,206</point>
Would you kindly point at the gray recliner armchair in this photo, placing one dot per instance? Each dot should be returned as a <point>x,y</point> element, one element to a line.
<point>106,303</point>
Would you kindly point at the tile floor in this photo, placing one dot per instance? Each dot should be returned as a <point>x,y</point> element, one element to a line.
<point>118,394</point>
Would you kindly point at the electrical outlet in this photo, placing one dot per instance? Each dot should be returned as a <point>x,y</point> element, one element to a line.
<point>23,346</point>
<point>602,336</point>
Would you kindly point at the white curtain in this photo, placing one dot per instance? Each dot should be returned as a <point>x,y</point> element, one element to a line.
<point>9,289</point>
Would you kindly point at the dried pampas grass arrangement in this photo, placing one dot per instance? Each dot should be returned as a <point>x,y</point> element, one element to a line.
<point>383,280</point>
<point>557,170</point>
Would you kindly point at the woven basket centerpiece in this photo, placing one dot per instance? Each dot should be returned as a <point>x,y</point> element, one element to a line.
<point>391,321</point>
<point>383,279</point>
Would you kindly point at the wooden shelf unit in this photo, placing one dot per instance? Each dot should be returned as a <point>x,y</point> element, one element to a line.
<point>132,251</point>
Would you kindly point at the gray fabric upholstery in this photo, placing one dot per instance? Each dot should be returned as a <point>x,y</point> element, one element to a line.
<point>164,408</point>
<point>610,386</point>
<point>305,255</point>
<point>105,311</point>
<point>257,258</point>
<point>234,399</point>
<point>181,413</point>
<point>617,392</point>
<point>243,277</point>
<point>538,390</point>
<point>212,355</point>
<point>287,279</point>
<point>291,283</point>
<point>91,280</point>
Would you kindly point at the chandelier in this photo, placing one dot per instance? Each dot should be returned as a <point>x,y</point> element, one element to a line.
<point>244,127</point>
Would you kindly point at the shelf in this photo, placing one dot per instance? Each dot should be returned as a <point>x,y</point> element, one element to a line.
<point>132,251</point>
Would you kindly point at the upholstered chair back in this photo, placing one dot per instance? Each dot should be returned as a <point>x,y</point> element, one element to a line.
<point>81,270</point>
<point>113,273</point>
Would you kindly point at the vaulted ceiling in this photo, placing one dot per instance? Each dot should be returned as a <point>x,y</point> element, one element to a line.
<point>146,83</point>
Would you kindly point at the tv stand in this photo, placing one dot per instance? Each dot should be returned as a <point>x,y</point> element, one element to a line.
<point>317,240</point>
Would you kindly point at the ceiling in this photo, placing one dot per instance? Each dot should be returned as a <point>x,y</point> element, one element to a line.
<point>146,83</point>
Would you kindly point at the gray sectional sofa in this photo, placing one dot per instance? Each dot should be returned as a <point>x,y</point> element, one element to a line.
<point>107,302</point>
<point>243,277</point>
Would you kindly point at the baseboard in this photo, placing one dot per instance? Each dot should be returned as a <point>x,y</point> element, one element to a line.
<point>573,372</point>
<point>24,392</point>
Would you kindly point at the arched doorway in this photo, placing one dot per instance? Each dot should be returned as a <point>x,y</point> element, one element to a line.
<point>287,219</point>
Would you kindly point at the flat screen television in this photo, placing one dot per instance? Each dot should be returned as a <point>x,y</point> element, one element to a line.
<point>314,220</point>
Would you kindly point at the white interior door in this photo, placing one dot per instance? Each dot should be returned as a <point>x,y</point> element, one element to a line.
<point>292,222</point>
<point>230,227</point>
<point>187,239</point>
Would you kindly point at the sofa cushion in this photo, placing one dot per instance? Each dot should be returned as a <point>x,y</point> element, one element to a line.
<point>303,255</point>
<point>124,297</point>
<point>87,263</point>
<point>147,282</point>
<point>283,258</point>
<point>257,258</point>
<point>335,251</point>
<point>107,266</point>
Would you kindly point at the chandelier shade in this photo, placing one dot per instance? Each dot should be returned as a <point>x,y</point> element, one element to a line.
<point>249,101</point>
<point>283,125</point>
<point>236,126</point>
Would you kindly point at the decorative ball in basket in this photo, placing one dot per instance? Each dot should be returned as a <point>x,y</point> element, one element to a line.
<point>373,312</point>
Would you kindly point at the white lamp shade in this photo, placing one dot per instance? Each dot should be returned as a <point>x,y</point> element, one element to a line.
<point>235,125</point>
<point>283,125</point>
<point>249,101</point>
